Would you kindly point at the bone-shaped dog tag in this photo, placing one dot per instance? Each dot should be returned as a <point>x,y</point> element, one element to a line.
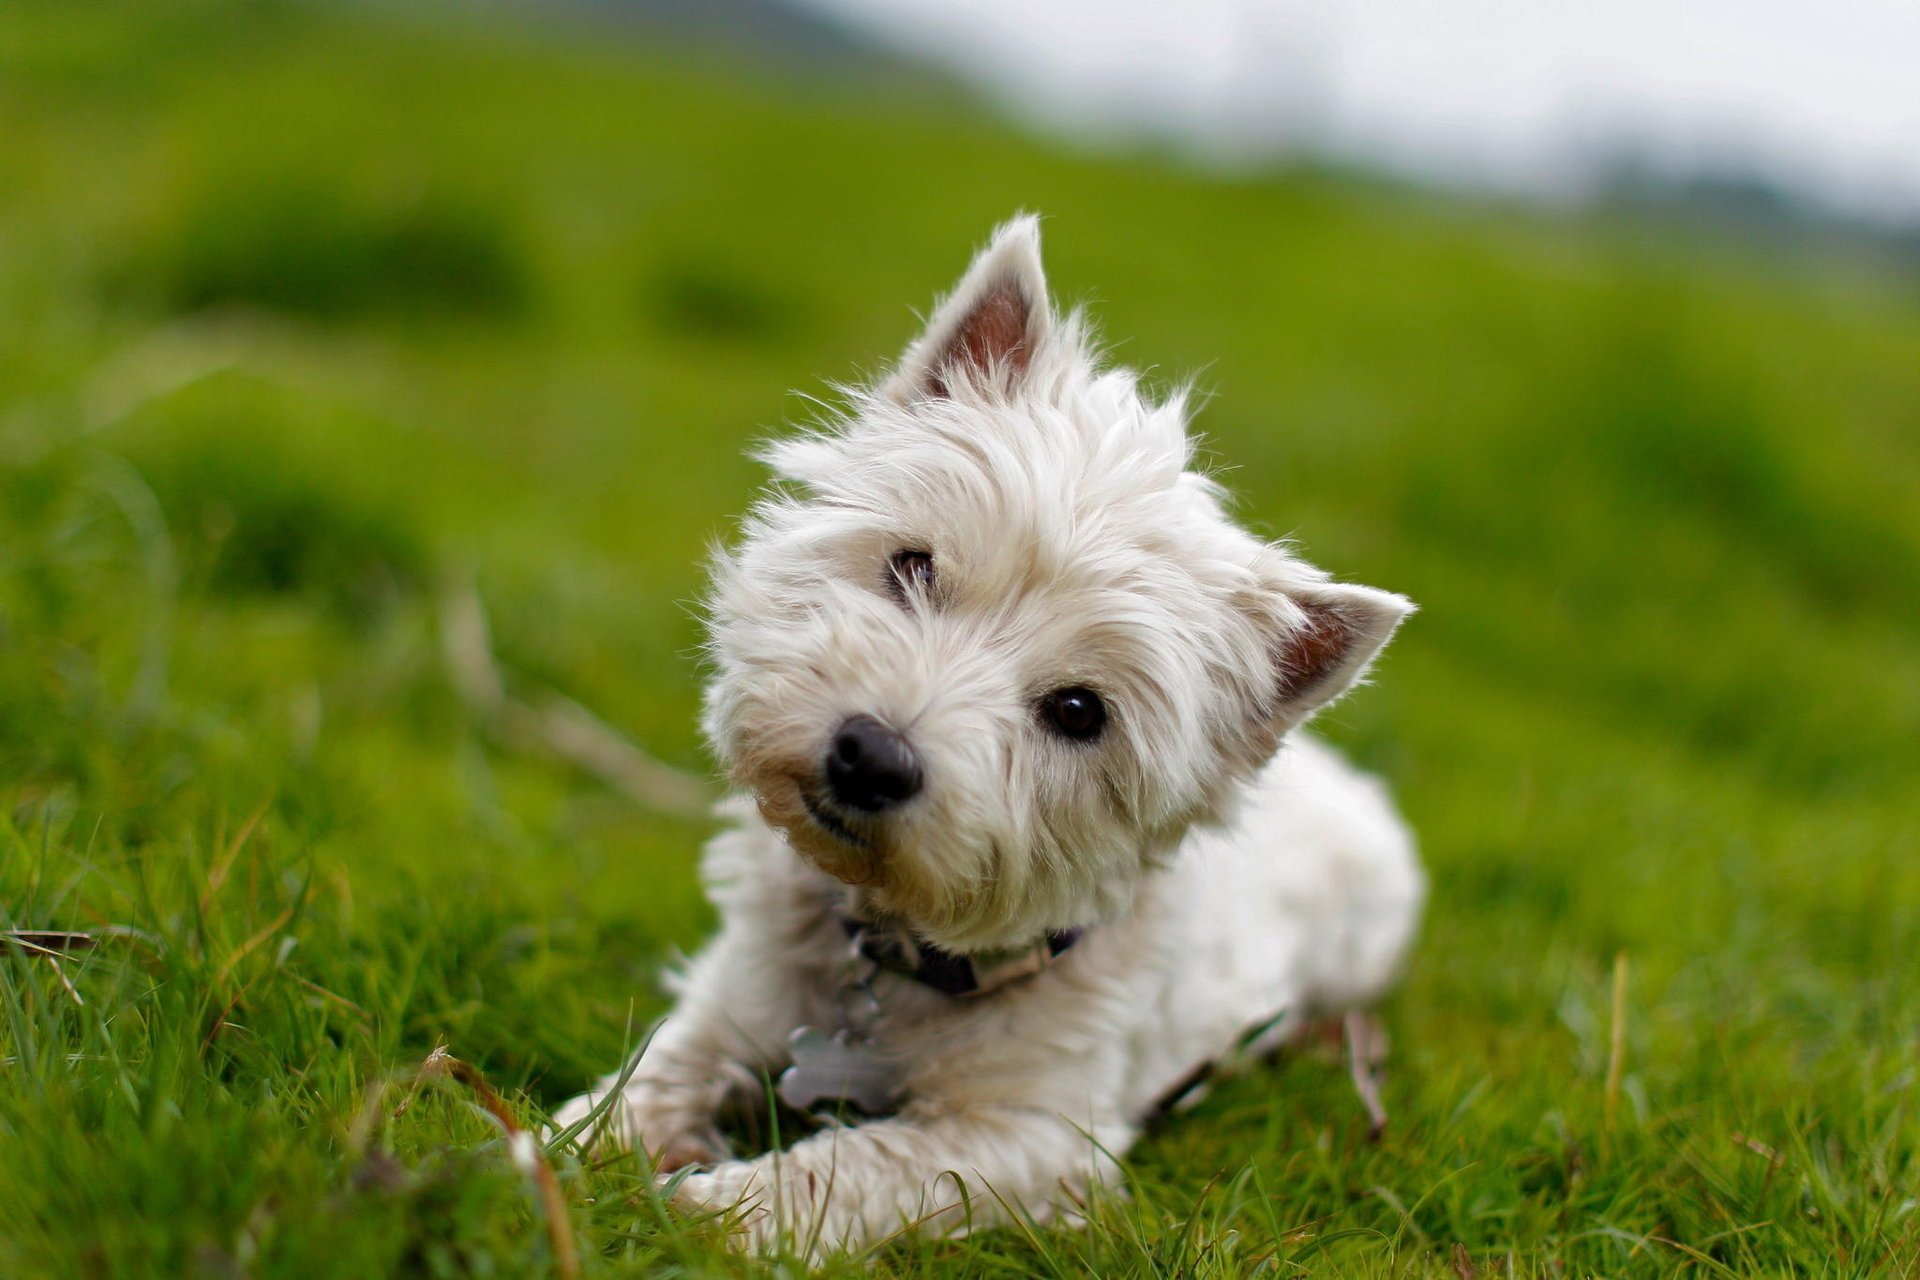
<point>829,1069</point>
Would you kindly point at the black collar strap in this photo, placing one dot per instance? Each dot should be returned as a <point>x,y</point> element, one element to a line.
<point>898,951</point>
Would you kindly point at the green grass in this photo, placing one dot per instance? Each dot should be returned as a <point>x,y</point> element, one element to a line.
<point>307,318</point>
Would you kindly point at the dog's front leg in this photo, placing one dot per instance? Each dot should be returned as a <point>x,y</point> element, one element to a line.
<point>728,1026</point>
<point>937,1170</point>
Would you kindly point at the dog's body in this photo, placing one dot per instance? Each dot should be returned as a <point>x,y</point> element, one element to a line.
<point>1004,680</point>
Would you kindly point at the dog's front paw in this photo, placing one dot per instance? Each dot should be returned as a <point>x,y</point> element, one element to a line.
<point>771,1206</point>
<point>737,1193</point>
<point>670,1140</point>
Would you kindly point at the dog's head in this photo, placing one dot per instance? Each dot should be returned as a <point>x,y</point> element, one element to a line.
<point>993,646</point>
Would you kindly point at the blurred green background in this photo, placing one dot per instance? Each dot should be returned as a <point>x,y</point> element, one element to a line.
<point>320,324</point>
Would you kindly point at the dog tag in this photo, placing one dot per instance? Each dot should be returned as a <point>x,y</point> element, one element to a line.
<point>829,1069</point>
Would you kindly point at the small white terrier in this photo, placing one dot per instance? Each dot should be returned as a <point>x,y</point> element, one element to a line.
<point>1031,845</point>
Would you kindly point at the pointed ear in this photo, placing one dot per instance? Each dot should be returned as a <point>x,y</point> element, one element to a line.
<point>1326,646</point>
<point>990,327</point>
<point>1317,638</point>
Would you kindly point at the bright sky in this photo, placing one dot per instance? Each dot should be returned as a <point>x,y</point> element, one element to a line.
<point>1520,93</point>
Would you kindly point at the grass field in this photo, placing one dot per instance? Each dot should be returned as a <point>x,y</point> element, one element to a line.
<point>311,321</point>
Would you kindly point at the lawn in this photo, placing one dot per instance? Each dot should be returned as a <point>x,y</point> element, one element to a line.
<point>323,330</point>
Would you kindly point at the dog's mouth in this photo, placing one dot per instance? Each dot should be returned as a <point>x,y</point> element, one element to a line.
<point>839,843</point>
<point>831,823</point>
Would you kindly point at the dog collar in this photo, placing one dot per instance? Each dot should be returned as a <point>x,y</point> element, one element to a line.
<point>898,951</point>
<point>843,1067</point>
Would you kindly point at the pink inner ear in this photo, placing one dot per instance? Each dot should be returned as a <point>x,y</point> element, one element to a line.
<point>994,332</point>
<point>1315,651</point>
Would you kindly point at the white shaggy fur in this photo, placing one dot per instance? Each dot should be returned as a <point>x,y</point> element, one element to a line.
<point>1225,871</point>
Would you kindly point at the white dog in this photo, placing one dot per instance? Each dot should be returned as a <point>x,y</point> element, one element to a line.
<point>1031,842</point>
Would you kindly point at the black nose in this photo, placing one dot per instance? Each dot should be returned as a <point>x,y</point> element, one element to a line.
<point>870,767</point>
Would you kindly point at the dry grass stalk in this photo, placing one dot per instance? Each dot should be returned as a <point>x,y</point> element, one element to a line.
<point>45,942</point>
<point>556,724</point>
<point>1366,1050</point>
<point>523,1145</point>
<point>1617,1046</point>
<point>218,873</point>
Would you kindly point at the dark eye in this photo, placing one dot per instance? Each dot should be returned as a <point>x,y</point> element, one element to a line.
<point>1075,713</point>
<point>909,571</point>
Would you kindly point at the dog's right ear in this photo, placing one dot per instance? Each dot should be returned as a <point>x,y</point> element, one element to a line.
<point>989,329</point>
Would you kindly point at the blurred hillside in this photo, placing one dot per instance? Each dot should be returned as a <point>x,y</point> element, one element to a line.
<point>768,28</point>
<point>315,317</point>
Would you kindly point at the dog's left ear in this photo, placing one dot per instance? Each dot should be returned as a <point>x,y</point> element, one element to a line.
<point>1320,638</point>
<point>1336,634</point>
<point>989,329</point>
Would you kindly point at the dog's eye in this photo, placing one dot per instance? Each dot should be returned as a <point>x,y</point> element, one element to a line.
<point>909,571</point>
<point>1075,713</point>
